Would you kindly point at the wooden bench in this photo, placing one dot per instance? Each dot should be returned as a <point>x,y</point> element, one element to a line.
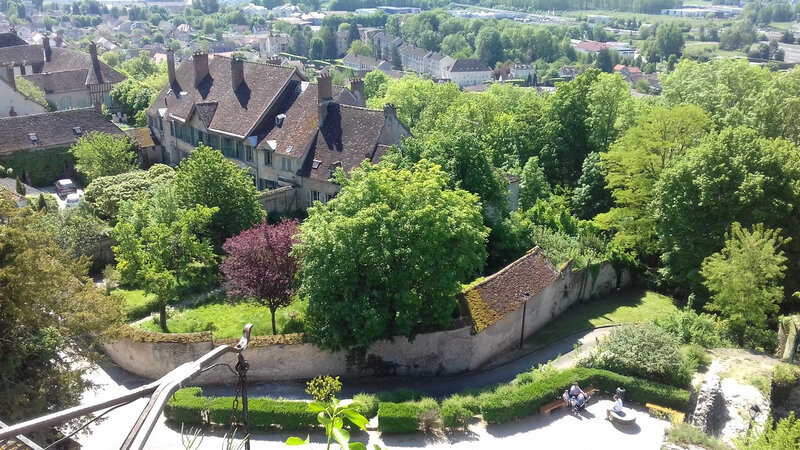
<point>547,408</point>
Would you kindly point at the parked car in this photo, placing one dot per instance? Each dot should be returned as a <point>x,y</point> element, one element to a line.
<point>65,186</point>
<point>73,200</point>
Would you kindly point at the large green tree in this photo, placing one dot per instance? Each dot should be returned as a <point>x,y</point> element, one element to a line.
<point>50,312</point>
<point>160,245</point>
<point>744,279</point>
<point>633,165</point>
<point>101,154</point>
<point>207,178</point>
<point>734,176</point>
<point>386,257</point>
<point>489,46</point>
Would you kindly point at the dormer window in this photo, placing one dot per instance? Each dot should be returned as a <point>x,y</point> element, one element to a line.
<point>32,137</point>
<point>315,164</point>
<point>77,130</point>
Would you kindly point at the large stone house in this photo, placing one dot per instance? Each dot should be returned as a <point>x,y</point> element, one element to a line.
<point>69,78</point>
<point>289,134</point>
<point>36,146</point>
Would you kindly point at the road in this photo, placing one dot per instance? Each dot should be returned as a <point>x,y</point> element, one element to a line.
<point>111,431</point>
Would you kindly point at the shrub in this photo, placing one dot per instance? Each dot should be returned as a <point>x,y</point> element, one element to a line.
<point>641,350</point>
<point>784,379</point>
<point>366,405</point>
<point>785,435</point>
<point>458,410</point>
<point>323,388</point>
<point>692,328</point>
<point>429,416</point>
<point>688,435</point>
<point>398,417</point>
<point>400,396</point>
<point>265,413</point>
<point>187,406</point>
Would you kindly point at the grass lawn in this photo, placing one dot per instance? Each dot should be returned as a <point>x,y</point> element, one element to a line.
<point>226,320</point>
<point>136,303</point>
<point>632,305</point>
<point>781,26</point>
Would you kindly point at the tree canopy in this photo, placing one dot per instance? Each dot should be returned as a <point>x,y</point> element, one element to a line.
<point>387,256</point>
<point>50,313</point>
<point>101,154</point>
<point>207,178</point>
<point>259,265</point>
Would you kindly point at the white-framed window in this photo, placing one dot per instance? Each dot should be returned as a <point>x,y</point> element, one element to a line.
<point>267,157</point>
<point>286,164</point>
<point>315,196</point>
<point>249,153</point>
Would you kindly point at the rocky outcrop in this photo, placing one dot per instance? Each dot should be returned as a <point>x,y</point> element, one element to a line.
<point>709,402</point>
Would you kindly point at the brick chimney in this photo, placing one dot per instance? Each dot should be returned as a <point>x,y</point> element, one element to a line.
<point>10,77</point>
<point>46,46</point>
<point>389,111</point>
<point>324,98</point>
<point>357,88</point>
<point>237,73</point>
<point>171,66</point>
<point>324,88</point>
<point>93,51</point>
<point>200,67</point>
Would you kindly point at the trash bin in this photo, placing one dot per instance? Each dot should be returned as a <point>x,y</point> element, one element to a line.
<point>620,392</point>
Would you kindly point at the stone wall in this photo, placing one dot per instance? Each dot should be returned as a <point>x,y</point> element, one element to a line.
<point>444,352</point>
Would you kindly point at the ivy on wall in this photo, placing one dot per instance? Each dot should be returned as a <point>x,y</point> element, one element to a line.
<point>43,166</point>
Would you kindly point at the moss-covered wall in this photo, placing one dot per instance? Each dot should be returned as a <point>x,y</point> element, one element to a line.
<point>42,166</point>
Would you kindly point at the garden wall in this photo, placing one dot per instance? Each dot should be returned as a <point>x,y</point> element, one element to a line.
<point>443,352</point>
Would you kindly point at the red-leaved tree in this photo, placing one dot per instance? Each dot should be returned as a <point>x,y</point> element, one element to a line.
<point>259,265</point>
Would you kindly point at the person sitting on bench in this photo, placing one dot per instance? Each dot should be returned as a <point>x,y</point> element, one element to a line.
<point>616,409</point>
<point>575,390</point>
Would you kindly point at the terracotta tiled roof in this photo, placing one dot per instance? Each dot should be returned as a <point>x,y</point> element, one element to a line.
<point>503,292</point>
<point>592,46</point>
<point>52,130</point>
<point>237,112</point>
<point>142,136</point>
<point>348,136</point>
<point>70,80</point>
<point>9,39</point>
<point>31,54</point>
<point>63,59</point>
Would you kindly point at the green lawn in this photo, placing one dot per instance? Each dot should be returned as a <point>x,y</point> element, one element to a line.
<point>226,320</point>
<point>136,303</point>
<point>632,305</point>
<point>781,26</point>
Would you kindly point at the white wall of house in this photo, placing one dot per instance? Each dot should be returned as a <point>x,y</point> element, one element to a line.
<point>22,105</point>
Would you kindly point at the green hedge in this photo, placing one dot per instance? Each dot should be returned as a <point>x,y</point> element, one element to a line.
<point>458,410</point>
<point>265,413</point>
<point>366,405</point>
<point>187,406</point>
<point>514,401</point>
<point>398,417</point>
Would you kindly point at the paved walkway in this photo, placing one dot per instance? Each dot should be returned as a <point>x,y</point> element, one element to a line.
<point>111,431</point>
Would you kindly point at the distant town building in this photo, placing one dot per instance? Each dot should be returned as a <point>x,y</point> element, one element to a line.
<point>69,78</point>
<point>467,72</point>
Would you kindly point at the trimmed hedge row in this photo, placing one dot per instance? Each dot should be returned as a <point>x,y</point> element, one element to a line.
<point>398,417</point>
<point>187,406</point>
<point>514,401</point>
